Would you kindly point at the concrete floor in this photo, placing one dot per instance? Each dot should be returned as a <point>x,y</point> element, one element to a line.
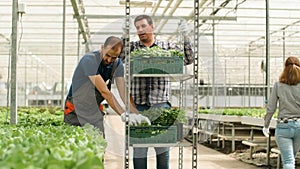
<point>206,159</point>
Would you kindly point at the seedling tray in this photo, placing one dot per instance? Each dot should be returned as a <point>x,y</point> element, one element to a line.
<point>157,65</point>
<point>152,134</point>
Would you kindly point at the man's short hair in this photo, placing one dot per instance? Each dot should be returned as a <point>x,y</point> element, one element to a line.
<point>114,42</point>
<point>141,17</point>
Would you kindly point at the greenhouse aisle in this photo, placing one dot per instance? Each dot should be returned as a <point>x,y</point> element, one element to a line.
<point>207,158</point>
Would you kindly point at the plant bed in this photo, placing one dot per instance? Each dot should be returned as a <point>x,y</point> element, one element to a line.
<point>42,140</point>
<point>247,116</point>
<point>221,118</point>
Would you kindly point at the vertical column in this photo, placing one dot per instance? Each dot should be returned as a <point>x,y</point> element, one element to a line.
<point>213,87</point>
<point>267,72</point>
<point>195,83</point>
<point>127,80</point>
<point>180,161</point>
<point>249,76</point>
<point>63,56</point>
<point>283,45</point>
<point>13,64</point>
<point>180,156</point>
<point>267,92</point>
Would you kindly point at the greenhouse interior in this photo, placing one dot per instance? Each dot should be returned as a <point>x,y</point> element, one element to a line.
<point>239,51</point>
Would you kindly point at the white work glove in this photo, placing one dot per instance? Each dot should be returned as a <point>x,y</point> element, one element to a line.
<point>183,27</point>
<point>141,118</point>
<point>133,121</point>
<point>266,131</point>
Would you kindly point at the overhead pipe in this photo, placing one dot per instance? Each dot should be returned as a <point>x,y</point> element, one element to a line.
<point>156,7</point>
<point>156,17</point>
<point>163,14</point>
<point>83,27</point>
<point>171,13</point>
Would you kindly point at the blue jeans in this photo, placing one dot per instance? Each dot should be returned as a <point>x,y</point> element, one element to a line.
<point>162,153</point>
<point>288,141</point>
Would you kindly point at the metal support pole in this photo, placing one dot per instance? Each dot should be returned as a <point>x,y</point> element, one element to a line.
<point>195,85</point>
<point>249,75</point>
<point>25,76</point>
<point>37,81</point>
<point>180,163</point>
<point>267,54</point>
<point>267,67</point>
<point>63,56</point>
<point>225,76</point>
<point>13,64</point>
<point>283,46</point>
<point>127,81</point>
<point>213,63</point>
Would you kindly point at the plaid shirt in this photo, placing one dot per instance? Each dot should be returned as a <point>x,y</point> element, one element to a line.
<point>152,90</point>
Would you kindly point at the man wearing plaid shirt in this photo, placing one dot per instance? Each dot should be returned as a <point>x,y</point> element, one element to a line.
<point>153,92</point>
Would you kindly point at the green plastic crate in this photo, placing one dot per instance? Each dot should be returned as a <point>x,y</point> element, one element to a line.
<point>156,65</point>
<point>152,134</point>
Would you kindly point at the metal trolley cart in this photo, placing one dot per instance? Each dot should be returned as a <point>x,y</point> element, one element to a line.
<point>176,77</point>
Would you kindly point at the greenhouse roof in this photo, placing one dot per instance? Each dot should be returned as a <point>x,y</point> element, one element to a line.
<point>235,30</point>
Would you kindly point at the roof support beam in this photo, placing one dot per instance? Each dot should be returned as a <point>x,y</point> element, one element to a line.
<point>233,18</point>
<point>82,22</point>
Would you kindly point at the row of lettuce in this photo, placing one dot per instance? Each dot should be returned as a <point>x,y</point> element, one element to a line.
<point>168,117</point>
<point>250,112</point>
<point>41,140</point>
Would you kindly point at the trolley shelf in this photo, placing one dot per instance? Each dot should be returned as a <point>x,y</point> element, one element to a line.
<point>173,77</point>
<point>178,144</point>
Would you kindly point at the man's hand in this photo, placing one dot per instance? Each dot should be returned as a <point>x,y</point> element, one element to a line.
<point>142,118</point>
<point>266,131</point>
<point>132,118</point>
<point>183,27</point>
<point>135,119</point>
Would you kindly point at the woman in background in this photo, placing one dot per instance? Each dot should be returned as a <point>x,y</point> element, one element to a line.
<point>286,92</point>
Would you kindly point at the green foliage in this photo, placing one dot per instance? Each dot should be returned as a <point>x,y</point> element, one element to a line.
<point>42,140</point>
<point>156,52</point>
<point>163,126</point>
<point>252,112</point>
<point>165,117</point>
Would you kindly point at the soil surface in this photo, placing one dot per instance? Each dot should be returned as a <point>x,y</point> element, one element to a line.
<point>242,153</point>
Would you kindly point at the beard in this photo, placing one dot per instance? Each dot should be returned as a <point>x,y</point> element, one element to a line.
<point>145,37</point>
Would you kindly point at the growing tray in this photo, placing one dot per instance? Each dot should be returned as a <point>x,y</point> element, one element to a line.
<point>156,65</point>
<point>152,134</point>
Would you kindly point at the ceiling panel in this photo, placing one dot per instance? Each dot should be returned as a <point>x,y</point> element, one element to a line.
<point>236,28</point>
